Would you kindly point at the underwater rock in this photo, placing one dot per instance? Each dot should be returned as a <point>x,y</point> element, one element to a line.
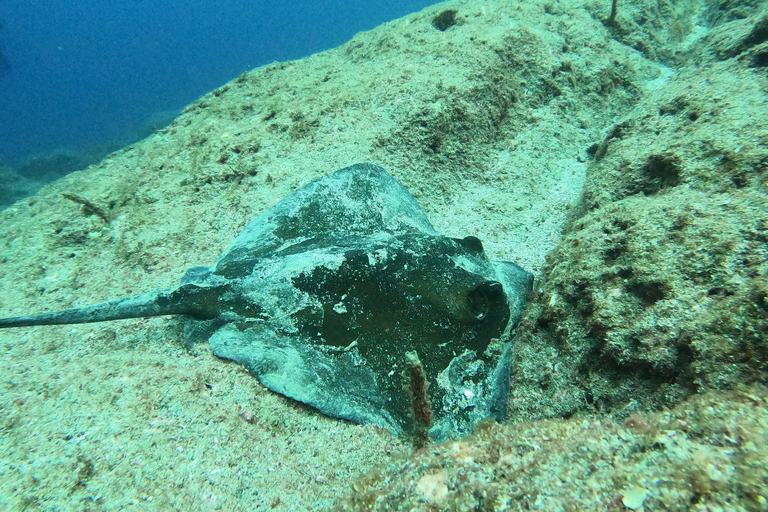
<point>658,290</point>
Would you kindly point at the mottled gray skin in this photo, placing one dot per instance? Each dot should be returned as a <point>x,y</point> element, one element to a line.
<point>322,295</point>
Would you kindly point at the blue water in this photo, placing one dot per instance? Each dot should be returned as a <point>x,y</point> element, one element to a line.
<point>89,75</point>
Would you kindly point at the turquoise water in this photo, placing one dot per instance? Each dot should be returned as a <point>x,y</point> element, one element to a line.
<point>87,77</point>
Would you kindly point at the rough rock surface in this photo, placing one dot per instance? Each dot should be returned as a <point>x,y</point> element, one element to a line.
<point>660,287</point>
<point>705,454</point>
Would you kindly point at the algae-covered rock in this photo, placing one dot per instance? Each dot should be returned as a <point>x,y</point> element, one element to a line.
<point>658,290</point>
<point>649,299</point>
<point>705,454</point>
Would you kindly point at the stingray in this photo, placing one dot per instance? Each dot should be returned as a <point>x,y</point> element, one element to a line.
<point>322,296</point>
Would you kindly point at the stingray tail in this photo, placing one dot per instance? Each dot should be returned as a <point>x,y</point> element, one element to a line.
<point>170,302</point>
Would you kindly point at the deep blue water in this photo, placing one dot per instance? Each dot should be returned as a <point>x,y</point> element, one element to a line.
<point>85,75</point>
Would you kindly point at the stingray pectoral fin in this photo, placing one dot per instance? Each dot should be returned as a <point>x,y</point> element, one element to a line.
<point>337,385</point>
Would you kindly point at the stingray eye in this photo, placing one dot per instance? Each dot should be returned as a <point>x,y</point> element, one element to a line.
<point>481,298</point>
<point>472,244</point>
